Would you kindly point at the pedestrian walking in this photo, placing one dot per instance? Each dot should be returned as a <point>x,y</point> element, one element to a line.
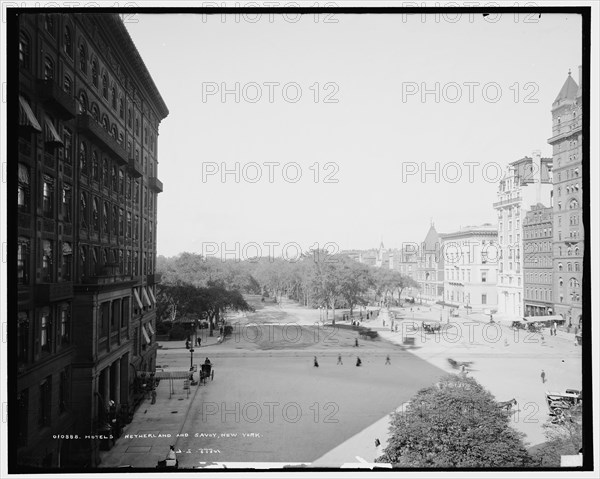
<point>543,376</point>
<point>316,363</point>
<point>396,328</point>
<point>340,359</point>
<point>154,396</point>
<point>358,361</point>
<point>387,359</point>
<point>356,342</point>
<point>198,341</point>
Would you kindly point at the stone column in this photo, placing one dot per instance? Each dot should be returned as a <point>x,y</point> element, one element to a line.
<point>117,381</point>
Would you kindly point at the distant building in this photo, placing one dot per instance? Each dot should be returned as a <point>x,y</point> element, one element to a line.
<point>568,227</point>
<point>527,181</point>
<point>89,114</point>
<point>537,261</point>
<point>471,267</point>
<point>430,267</point>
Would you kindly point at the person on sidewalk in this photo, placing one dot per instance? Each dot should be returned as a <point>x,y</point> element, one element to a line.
<point>356,342</point>
<point>153,396</point>
<point>198,341</point>
<point>543,376</point>
<point>358,361</point>
<point>340,359</point>
<point>387,360</point>
<point>316,363</point>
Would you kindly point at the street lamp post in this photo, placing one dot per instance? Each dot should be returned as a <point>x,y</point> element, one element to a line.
<point>191,359</point>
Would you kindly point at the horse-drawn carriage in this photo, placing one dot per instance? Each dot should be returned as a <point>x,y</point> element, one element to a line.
<point>459,364</point>
<point>558,403</point>
<point>206,371</point>
<point>432,328</point>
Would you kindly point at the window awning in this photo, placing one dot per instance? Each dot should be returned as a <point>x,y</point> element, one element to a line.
<point>23,174</point>
<point>137,299</point>
<point>145,297</point>
<point>146,337</point>
<point>152,297</point>
<point>26,116</point>
<point>52,135</point>
<point>150,328</point>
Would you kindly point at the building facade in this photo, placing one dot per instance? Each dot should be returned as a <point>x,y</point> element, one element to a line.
<point>471,268</point>
<point>568,240</point>
<point>537,261</point>
<point>430,267</point>
<point>89,114</point>
<point>527,181</point>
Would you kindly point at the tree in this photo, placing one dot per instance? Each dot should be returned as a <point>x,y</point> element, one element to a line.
<point>454,423</point>
<point>563,437</point>
<point>355,279</point>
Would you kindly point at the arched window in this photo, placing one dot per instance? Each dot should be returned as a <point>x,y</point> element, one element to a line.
<point>576,250</point>
<point>82,58</point>
<point>115,222</point>
<point>24,51</point>
<point>68,42</point>
<point>105,123</point>
<point>114,178</point>
<point>105,217</point>
<point>68,85</point>
<point>83,103</point>
<point>114,98</point>
<point>577,267</point>
<point>113,132</point>
<point>49,24</point>
<point>95,214</point>
<point>83,209</point>
<point>95,113</point>
<point>105,86</point>
<point>105,178</point>
<point>95,165</point>
<point>83,158</point>
<point>574,204</point>
<point>569,267</point>
<point>560,282</point>
<point>48,68</point>
<point>95,73</point>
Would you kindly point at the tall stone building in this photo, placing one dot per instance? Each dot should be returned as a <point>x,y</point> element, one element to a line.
<point>89,114</point>
<point>471,262</point>
<point>568,240</point>
<point>527,181</point>
<point>537,261</point>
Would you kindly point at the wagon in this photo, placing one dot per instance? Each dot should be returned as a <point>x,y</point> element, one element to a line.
<point>206,371</point>
<point>432,327</point>
<point>559,402</point>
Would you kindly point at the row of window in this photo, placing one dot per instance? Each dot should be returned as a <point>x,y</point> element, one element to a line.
<point>462,297</point>
<point>537,233</point>
<point>538,261</point>
<point>569,174</point>
<point>116,98</point>
<point>125,187</point>
<point>48,332</point>
<point>49,403</point>
<point>569,250</point>
<point>507,279</point>
<point>540,294</point>
<point>536,246</point>
<point>91,258</point>
<point>538,278</point>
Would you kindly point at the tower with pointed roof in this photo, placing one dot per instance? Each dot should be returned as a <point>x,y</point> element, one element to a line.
<point>568,232</point>
<point>430,266</point>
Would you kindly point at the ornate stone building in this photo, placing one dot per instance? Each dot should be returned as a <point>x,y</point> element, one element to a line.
<point>89,114</point>
<point>568,230</point>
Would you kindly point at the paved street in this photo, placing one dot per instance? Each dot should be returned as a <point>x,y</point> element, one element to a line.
<point>268,403</point>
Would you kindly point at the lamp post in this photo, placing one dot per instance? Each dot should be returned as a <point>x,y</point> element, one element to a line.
<point>191,358</point>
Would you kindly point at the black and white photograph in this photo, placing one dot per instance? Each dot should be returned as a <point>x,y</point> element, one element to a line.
<point>315,238</point>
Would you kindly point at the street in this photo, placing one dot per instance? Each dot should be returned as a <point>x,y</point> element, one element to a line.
<point>268,403</point>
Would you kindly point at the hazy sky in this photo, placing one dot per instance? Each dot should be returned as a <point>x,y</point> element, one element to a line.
<point>376,67</point>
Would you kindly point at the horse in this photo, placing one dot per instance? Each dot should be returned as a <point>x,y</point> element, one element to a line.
<point>458,364</point>
<point>507,405</point>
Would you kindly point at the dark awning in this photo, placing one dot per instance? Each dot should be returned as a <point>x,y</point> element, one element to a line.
<point>26,116</point>
<point>52,136</point>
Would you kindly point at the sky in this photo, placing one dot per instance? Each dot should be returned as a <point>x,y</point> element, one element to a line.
<point>334,124</point>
